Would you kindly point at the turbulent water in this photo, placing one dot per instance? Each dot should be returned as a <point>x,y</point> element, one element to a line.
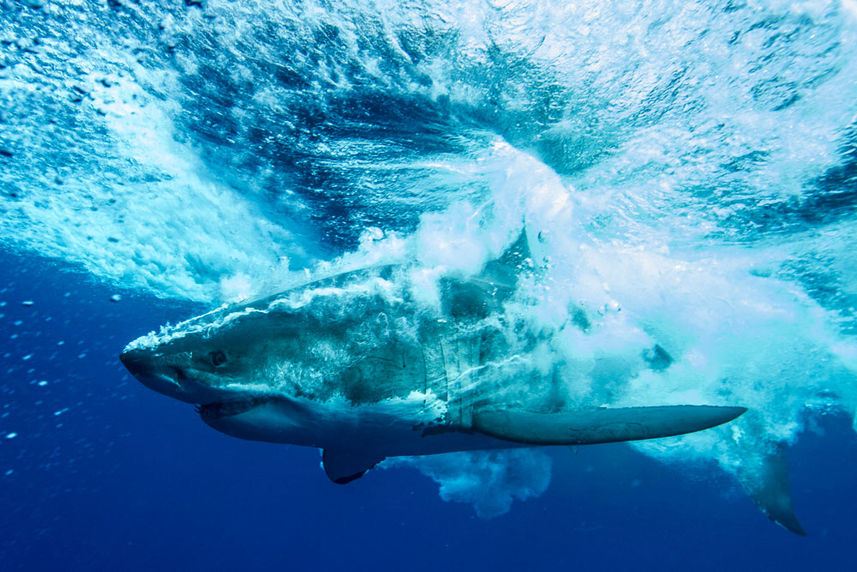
<point>689,169</point>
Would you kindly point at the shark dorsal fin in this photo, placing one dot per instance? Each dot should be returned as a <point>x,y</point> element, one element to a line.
<point>518,253</point>
<point>345,465</point>
<point>479,295</point>
<point>504,270</point>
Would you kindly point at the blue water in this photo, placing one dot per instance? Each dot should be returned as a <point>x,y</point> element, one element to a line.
<point>690,172</point>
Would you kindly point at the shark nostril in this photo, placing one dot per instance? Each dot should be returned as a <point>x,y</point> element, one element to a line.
<point>143,366</point>
<point>179,374</point>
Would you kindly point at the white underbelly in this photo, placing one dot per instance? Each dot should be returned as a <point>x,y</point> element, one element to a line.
<point>388,427</point>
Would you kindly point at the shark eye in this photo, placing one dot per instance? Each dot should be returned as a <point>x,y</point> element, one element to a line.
<point>217,358</point>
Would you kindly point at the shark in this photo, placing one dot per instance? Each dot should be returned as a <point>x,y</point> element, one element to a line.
<point>358,365</point>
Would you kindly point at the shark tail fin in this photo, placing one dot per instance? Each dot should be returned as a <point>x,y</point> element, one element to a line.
<point>766,479</point>
<point>601,425</point>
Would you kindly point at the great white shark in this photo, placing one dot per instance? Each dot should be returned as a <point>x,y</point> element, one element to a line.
<point>356,365</point>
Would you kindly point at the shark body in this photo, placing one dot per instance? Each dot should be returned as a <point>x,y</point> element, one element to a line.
<point>356,366</point>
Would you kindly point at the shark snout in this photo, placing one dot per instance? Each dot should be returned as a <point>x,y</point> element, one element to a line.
<point>136,362</point>
<point>143,366</point>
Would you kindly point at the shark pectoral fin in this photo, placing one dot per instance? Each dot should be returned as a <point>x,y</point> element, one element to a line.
<point>600,425</point>
<point>345,465</point>
<point>766,480</point>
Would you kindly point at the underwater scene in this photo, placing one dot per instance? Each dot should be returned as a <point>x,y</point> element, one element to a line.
<point>428,285</point>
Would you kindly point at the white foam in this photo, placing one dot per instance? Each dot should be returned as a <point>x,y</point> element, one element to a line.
<point>735,337</point>
<point>167,227</point>
<point>488,480</point>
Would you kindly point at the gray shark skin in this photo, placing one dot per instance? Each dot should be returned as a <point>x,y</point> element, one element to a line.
<point>356,365</point>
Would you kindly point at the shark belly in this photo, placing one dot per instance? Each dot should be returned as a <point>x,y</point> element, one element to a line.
<point>380,427</point>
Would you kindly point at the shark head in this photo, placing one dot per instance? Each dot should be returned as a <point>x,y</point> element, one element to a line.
<point>202,361</point>
<point>295,343</point>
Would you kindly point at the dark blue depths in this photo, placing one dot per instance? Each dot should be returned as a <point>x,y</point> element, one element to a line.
<point>104,474</point>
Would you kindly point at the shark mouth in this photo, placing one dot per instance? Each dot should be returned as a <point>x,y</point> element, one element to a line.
<point>221,409</point>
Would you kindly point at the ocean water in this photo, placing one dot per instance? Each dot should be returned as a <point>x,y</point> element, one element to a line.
<point>686,173</point>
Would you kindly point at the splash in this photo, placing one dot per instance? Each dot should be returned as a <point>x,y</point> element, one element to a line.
<point>490,481</point>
